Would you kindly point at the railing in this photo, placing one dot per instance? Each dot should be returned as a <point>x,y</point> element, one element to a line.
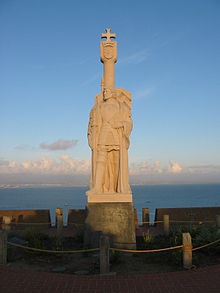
<point>167,223</point>
<point>104,249</point>
<point>7,222</point>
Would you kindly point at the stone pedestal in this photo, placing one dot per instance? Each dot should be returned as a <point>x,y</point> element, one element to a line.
<point>113,219</point>
<point>109,197</point>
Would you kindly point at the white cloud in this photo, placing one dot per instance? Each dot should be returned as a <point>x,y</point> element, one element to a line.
<point>4,163</point>
<point>145,168</point>
<point>91,80</point>
<point>136,58</point>
<point>23,147</point>
<point>148,167</point>
<point>64,165</point>
<point>143,93</point>
<point>60,144</point>
<point>67,170</point>
<point>174,167</point>
<point>203,169</point>
<point>138,168</point>
<point>157,168</point>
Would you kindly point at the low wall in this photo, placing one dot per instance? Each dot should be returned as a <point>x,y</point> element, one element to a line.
<point>76,220</point>
<point>205,216</point>
<point>41,219</point>
<point>23,219</point>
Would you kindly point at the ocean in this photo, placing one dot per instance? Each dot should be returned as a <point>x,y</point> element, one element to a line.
<point>144,196</point>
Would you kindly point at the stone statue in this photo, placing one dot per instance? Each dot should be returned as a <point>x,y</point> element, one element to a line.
<point>109,128</point>
<point>109,210</point>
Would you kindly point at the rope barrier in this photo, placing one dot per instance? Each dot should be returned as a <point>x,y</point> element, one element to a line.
<point>140,223</point>
<point>72,223</point>
<point>147,250</point>
<point>53,251</point>
<point>154,222</point>
<point>195,221</point>
<point>112,249</point>
<point>178,221</point>
<point>206,245</point>
<point>20,223</point>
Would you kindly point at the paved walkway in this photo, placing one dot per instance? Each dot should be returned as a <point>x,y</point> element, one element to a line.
<point>197,280</point>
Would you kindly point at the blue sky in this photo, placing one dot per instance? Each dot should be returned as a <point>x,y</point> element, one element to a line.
<point>50,72</point>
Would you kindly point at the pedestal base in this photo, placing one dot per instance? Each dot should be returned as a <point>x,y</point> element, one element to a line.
<point>113,219</point>
<point>108,197</point>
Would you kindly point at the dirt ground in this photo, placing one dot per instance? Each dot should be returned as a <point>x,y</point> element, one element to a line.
<point>88,263</point>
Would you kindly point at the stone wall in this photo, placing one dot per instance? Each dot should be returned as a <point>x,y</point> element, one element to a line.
<point>76,221</point>
<point>41,219</point>
<point>24,219</point>
<point>205,216</point>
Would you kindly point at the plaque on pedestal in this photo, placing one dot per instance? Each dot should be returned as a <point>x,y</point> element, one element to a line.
<point>115,220</point>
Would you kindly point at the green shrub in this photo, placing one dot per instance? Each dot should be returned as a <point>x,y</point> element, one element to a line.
<point>115,257</point>
<point>200,236</point>
<point>36,239</point>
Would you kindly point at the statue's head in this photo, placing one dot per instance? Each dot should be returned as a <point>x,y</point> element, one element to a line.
<point>107,93</point>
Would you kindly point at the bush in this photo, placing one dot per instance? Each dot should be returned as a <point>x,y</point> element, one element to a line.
<point>200,236</point>
<point>36,239</point>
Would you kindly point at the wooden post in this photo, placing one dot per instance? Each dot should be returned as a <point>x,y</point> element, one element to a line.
<point>218,222</point>
<point>3,247</point>
<point>187,251</point>
<point>59,222</point>
<point>145,217</point>
<point>166,225</point>
<point>7,223</point>
<point>104,255</point>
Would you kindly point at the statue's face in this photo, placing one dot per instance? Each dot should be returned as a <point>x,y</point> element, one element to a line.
<point>107,94</point>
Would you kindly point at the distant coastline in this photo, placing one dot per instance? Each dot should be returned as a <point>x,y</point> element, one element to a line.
<point>60,185</point>
<point>34,185</point>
